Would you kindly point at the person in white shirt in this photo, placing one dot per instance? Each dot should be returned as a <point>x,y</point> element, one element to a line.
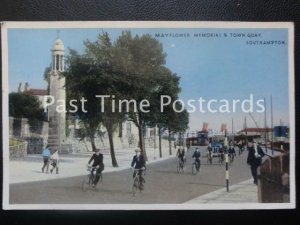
<point>54,161</point>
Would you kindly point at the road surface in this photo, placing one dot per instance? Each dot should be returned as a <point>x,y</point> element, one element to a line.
<point>163,185</point>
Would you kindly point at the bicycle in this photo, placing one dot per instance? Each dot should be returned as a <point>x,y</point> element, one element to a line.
<point>196,166</point>
<point>231,158</point>
<point>138,181</point>
<point>180,165</point>
<point>88,180</point>
<point>221,158</point>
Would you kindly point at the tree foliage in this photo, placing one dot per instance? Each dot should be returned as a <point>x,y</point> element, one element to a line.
<point>24,105</point>
<point>132,67</point>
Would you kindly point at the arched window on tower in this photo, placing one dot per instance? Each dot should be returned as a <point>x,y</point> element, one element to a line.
<point>60,63</point>
<point>57,62</point>
<point>53,62</point>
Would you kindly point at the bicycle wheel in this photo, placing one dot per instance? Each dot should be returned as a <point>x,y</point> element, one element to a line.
<point>99,184</point>
<point>178,168</point>
<point>85,183</point>
<point>232,159</point>
<point>141,186</point>
<point>209,160</point>
<point>134,186</point>
<point>220,159</point>
<point>100,180</point>
<point>194,170</point>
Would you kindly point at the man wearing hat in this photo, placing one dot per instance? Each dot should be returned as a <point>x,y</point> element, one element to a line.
<point>254,159</point>
<point>138,162</point>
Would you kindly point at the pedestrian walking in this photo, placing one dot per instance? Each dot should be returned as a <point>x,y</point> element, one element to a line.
<point>46,157</point>
<point>254,159</point>
<point>54,161</point>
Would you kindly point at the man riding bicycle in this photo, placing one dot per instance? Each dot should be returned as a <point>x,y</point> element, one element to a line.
<point>97,159</point>
<point>231,151</point>
<point>138,164</point>
<point>197,156</point>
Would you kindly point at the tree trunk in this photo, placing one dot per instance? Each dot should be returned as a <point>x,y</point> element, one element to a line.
<point>93,143</point>
<point>111,146</point>
<point>87,148</point>
<point>169,139</point>
<point>141,141</point>
<point>159,142</point>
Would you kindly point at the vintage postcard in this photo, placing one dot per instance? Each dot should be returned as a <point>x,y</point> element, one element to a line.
<point>148,115</point>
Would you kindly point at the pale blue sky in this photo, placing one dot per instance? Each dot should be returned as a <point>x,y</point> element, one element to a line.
<point>209,67</point>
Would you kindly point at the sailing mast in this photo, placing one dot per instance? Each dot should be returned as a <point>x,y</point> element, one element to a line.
<point>265,125</point>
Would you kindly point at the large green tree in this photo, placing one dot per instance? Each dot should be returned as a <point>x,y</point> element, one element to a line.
<point>93,74</point>
<point>102,53</point>
<point>81,82</point>
<point>141,59</point>
<point>162,117</point>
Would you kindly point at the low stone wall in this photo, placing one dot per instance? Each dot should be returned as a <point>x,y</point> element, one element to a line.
<point>18,151</point>
<point>19,127</point>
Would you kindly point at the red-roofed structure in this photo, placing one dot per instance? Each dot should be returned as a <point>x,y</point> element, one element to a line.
<point>38,92</point>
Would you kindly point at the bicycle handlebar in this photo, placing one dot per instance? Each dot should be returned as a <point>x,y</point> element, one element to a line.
<point>89,168</point>
<point>141,169</point>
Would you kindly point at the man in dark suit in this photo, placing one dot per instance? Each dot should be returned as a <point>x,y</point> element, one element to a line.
<point>138,164</point>
<point>254,159</point>
<point>138,161</point>
<point>97,159</point>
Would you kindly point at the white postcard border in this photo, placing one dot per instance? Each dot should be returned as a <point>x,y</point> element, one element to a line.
<point>145,24</point>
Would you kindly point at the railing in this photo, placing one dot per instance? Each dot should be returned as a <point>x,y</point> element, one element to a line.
<point>273,182</point>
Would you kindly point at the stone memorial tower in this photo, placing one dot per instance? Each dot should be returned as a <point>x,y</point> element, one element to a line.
<point>57,120</point>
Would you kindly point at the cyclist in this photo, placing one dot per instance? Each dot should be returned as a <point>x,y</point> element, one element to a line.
<point>138,163</point>
<point>181,154</point>
<point>98,165</point>
<point>221,153</point>
<point>231,152</point>
<point>197,156</point>
<point>209,153</point>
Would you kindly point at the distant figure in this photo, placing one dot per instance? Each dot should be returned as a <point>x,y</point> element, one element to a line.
<point>46,157</point>
<point>209,153</point>
<point>231,150</point>
<point>240,146</point>
<point>181,154</point>
<point>197,156</point>
<point>54,163</point>
<point>254,159</point>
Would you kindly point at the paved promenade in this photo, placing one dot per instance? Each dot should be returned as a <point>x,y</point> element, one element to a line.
<point>244,192</point>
